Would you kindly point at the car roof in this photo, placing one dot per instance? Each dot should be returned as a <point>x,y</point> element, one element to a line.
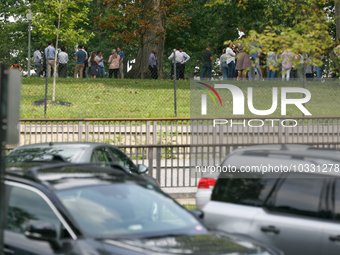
<point>266,148</point>
<point>67,175</point>
<point>292,156</point>
<point>64,144</point>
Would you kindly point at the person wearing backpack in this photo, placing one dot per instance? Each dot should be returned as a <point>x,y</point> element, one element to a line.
<point>16,65</point>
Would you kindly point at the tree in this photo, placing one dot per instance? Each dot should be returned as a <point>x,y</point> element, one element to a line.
<point>62,19</point>
<point>142,23</point>
<point>293,25</point>
<point>209,26</point>
<point>13,35</point>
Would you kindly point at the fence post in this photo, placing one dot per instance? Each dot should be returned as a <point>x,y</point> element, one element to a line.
<point>147,135</point>
<point>154,135</point>
<point>87,131</point>
<point>46,84</point>
<point>150,156</point>
<point>158,165</point>
<point>80,131</point>
<point>175,78</point>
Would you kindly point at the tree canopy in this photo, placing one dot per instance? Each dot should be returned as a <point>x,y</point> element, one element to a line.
<point>307,26</point>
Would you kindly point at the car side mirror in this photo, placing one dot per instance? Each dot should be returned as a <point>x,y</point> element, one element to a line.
<point>44,232</point>
<point>142,169</point>
<point>198,214</point>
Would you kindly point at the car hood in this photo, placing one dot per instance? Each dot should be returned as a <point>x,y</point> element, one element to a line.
<point>213,243</point>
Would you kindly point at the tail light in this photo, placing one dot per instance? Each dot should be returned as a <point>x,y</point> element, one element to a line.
<point>205,183</point>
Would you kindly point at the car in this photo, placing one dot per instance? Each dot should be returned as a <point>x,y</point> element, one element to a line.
<point>75,152</point>
<point>207,182</point>
<point>296,209</point>
<point>81,208</point>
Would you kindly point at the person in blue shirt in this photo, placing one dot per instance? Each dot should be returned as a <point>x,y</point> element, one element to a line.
<point>80,64</point>
<point>49,53</point>
<point>121,65</point>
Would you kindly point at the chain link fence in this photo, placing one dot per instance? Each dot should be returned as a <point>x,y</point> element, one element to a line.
<point>115,84</point>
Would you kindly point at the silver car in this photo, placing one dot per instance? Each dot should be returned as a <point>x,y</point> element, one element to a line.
<point>77,152</point>
<point>207,182</point>
<point>297,211</point>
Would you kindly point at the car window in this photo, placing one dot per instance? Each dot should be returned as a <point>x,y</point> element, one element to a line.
<point>245,191</point>
<point>299,196</point>
<point>27,207</point>
<point>122,159</point>
<point>337,199</point>
<point>103,155</point>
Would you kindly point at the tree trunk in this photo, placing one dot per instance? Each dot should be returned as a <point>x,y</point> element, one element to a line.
<point>151,41</point>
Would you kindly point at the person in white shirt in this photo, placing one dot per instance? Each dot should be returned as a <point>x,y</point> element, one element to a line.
<point>63,60</point>
<point>177,59</point>
<point>230,54</point>
<point>186,57</point>
<point>37,60</point>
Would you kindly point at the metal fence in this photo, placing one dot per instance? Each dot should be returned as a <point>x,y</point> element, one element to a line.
<point>180,131</point>
<point>171,148</point>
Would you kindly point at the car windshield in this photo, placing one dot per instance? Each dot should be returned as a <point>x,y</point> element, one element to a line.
<point>127,210</point>
<point>43,154</point>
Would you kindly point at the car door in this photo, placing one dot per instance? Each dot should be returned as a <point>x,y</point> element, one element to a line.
<point>291,219</point>
<point>235,202</point>
<point>26,206</point>
<point>331,229</point>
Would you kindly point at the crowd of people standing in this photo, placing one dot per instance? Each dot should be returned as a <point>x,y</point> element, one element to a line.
<point>86,63</point>
<point>237,63</point>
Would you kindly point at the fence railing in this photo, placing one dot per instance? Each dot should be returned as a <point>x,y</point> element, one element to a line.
<point>180,131</point>
<point>174,166</point>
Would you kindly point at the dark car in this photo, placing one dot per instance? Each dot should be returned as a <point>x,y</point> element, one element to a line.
<point>85,209</point>
<point>76,152</point>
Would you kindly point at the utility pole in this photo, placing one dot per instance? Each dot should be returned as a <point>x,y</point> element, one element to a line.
<point>3,133</point>
<point>10,80</point>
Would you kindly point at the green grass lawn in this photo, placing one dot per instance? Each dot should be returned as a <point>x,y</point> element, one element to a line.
<point>109,98</point>
<point>106,98</point>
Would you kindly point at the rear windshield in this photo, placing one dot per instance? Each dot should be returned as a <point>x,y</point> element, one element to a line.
<point>244,191</point>
<point>43,154</point>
